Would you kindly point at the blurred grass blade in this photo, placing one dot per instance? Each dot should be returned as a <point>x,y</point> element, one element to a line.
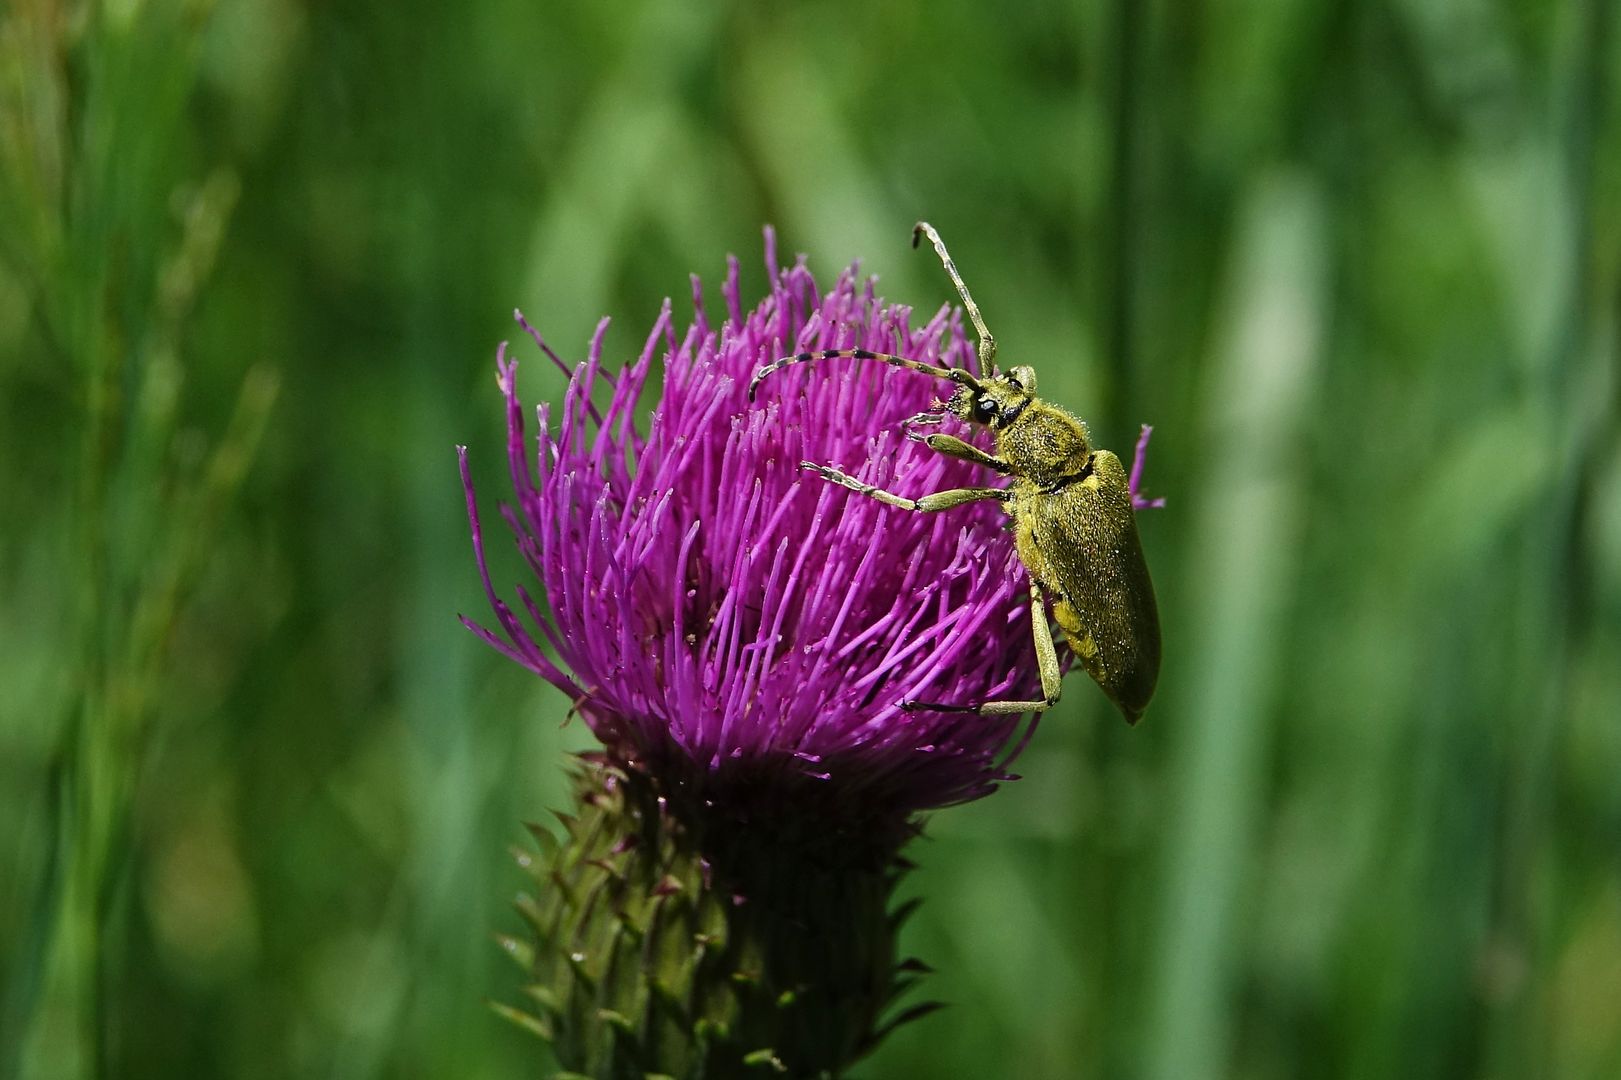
<point>1252,502</point>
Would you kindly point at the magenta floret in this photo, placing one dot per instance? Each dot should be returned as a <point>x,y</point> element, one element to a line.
<point>705,596</point>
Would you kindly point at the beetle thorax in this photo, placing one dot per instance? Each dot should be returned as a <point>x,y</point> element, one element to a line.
<point>1046,445</point>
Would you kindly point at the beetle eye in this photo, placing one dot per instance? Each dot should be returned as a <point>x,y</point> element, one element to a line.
<point>984,409</point>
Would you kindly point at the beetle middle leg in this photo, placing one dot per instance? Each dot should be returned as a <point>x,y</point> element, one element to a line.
<point>928,504</point>
<point>1052,676</point>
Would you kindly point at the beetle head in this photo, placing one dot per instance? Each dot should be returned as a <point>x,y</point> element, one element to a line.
<point>996,401</point>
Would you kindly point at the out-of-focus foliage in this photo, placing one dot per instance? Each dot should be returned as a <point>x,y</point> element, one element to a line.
<point>1359,263</point>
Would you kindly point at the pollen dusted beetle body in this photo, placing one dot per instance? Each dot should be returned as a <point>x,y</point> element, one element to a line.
<point>1076,532</point>
<point>1074,522</point>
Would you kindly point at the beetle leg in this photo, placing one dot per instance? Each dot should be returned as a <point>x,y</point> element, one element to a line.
<point>951,446</point>
<point>1052,676</point>
<point>940,500</point>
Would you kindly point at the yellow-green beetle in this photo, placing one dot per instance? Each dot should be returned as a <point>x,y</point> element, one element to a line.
<point>1073,517</point>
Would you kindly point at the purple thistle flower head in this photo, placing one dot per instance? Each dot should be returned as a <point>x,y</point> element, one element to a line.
<point>714,608</point>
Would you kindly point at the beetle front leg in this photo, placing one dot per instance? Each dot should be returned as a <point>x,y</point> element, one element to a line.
<point>928,504</point>
<point>951,446</point>
<point>1052,676</point>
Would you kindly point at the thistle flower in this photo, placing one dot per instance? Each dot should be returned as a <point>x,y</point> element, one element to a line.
<point>739,635</point>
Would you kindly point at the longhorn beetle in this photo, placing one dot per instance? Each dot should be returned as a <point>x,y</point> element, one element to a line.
<point>1074,523</point>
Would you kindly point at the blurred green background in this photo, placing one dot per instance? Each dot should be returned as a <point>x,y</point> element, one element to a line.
<point>1359,262</point>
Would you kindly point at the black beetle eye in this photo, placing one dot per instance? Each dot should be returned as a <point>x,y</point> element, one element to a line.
<point>1022,378</point>
<point>984,409</point>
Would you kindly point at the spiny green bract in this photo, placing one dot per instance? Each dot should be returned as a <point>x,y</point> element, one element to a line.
<point>668,940</point>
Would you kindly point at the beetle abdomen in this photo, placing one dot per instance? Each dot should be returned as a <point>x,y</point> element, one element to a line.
<point>1089,556</point>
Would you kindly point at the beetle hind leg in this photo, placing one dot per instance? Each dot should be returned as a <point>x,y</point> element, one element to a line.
<point>1052,676</point>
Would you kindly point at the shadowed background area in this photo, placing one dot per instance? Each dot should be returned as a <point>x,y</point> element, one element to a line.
<point>1358,262</point>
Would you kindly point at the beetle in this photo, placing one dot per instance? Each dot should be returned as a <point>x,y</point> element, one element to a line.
<point>1073,517</point>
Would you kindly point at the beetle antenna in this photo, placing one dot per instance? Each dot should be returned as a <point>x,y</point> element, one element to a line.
<point>987,343</point>
<point>961,376</point>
